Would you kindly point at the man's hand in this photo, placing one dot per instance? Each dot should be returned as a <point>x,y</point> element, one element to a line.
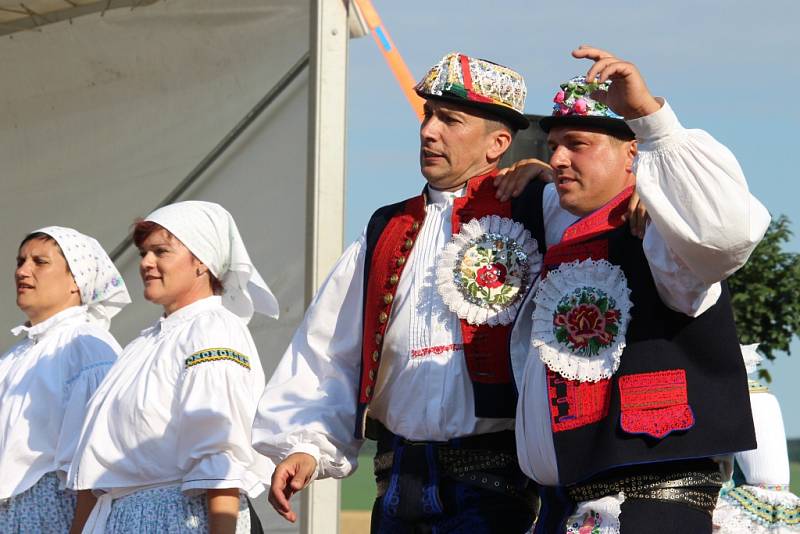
<point>290,476</point>
<point>636,216</point>
<point>628,95</point>
<point>511,181</point>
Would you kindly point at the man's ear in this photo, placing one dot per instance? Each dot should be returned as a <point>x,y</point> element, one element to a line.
<point>498,144</point>
<point>633,150</point>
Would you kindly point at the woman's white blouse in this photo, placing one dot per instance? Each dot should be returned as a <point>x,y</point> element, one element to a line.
<point>46,381</point>
<point>177,408</point>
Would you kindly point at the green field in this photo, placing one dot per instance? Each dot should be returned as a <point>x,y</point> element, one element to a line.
<point>358,491</point>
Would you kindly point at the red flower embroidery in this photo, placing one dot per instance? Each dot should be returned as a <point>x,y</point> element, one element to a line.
<point>491,276</point>
<point>585,322</point>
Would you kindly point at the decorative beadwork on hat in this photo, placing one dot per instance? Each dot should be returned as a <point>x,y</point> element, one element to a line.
<point>478,81</point>
<point>575,98</point>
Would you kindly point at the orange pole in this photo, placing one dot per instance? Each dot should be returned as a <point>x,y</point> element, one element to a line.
<point>391,55</point>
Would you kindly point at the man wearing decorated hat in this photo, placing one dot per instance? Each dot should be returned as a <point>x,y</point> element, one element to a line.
<point>634,383</point>
<point>406,342</point>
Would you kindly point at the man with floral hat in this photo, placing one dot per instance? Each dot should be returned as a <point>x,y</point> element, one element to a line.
<point>406,342</point>
<point>634,383</point>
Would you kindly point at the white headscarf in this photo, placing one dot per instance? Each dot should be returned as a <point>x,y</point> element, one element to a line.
<point>751,357</point>
<point>102,288</point>
<point>210,233</point>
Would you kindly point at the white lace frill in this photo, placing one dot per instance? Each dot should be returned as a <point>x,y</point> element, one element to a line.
<point>581,316</point>
<point>600,516</point>
<point>486,269</point>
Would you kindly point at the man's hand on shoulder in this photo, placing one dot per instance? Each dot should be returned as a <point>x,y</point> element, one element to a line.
<point>628,95</point>
<point>290,476</point>
<point>636,216</point>
<point>511,181</point>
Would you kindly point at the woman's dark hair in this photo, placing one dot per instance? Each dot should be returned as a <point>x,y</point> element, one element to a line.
<point>142,230</point>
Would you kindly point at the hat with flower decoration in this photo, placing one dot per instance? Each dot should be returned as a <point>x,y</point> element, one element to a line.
<point>574,106</point>
<point>478,84</point>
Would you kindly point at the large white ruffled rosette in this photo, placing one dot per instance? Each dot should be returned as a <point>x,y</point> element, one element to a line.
<point>600,516</point>
<point>486,269</point>
<point>581,316</point>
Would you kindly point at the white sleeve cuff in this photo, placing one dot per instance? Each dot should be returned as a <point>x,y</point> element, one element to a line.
<point>313,451</point>
<point>656,126</point>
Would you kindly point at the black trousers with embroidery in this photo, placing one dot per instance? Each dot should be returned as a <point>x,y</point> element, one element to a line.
<point>419,494</point>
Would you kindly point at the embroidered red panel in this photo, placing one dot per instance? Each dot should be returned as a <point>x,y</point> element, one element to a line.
<point>485,347</point>
<point>596,250</point>
<point>655,403</point>
<point>385,271</point>
<point>575,404</point>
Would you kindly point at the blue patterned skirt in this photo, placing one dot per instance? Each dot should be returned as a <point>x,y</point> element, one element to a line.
<point>41,509</point>
<point>167,510</point>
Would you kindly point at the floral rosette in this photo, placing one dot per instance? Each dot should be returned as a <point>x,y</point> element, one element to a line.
<point>486,269</point>
<point>582,314</point>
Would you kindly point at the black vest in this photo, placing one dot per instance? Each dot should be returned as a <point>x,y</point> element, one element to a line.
<point>660,343</point>
<point>492,400</point>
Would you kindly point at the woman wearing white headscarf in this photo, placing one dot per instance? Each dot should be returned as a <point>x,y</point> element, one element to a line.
<point>762,503</point>
<point>166,442</point>
<point>69,290</point>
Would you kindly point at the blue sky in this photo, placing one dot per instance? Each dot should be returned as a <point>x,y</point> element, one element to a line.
<point>725,66</point>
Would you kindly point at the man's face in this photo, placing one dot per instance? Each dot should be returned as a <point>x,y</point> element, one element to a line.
<point>590,167</point>
<point>455,145</point>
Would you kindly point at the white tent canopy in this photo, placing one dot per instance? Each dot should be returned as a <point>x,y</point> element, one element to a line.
<point>104,111</point>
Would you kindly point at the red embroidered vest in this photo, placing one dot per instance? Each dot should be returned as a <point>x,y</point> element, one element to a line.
<point>678,375</point>
<point>391,234</point>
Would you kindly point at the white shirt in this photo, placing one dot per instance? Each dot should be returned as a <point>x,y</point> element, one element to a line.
<point>157,420</point>
<point>705,224</point>
<point>45,382</point>
<point>423,390</point>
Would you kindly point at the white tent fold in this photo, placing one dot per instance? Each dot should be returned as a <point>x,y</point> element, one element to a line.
<point>107,107</point>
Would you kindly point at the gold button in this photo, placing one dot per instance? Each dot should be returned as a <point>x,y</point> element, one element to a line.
<point>369,391</point>
<point>408,244</point>
<point>375,355</point>
<point>378,338</point>
<point>394,279</point>
<point>382,317</point>
<point>388,298</point>
<point>372,374</point>
<point>401,261</point>
<point>415,226</point>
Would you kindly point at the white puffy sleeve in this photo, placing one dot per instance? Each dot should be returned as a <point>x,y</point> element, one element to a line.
<point>220,385</point>
<point>769,463</point>
<point>309,403</point>
<point>87,359</point>
<point>705,222</point>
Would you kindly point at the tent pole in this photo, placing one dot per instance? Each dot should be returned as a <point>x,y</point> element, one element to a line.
<point>327,113</point>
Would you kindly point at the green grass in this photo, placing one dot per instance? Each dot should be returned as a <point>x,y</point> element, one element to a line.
<point>358,490</point>
<point>795,483</point>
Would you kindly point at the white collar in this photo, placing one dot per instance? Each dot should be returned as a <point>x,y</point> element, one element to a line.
<point>189,311</point>
<point>437,196</point>
<point>40,329</point>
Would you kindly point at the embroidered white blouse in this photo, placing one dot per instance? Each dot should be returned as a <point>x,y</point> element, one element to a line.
<point>705,223</point>
<point>177,408</point>
<point>46,381</point>
<point>423,390</point>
